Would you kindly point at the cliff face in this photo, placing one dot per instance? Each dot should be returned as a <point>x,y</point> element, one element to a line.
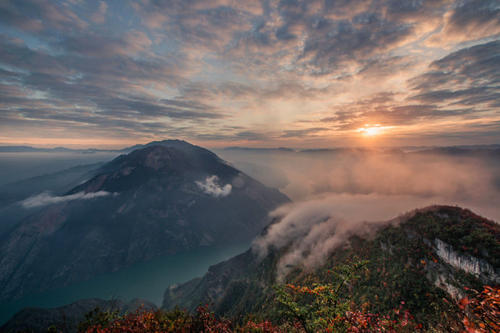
<point>447,272</point>
<point>427,261</point>
<point>468,263</point>
<point>163,199</point>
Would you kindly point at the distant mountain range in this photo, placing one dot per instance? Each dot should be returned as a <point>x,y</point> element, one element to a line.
<point>29,149</point>
<point>164,198</point>
<point>17,149</point>
<point>347,149</point>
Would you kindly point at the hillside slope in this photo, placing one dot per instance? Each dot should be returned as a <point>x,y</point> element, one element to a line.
<point>163,199</point>
<point>426,259</point>
<point>12,194</point>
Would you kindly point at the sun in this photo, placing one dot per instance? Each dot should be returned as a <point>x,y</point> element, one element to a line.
<point>371,130</point>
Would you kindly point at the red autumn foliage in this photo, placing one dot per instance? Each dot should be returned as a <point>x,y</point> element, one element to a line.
<point>482,312</point>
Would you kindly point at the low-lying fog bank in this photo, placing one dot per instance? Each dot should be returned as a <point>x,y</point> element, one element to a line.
<point>375,185</point>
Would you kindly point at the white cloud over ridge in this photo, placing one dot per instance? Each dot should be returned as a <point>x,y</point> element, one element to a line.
<point>310,231</point>
<point>45,198</point>
<point>209,186</point>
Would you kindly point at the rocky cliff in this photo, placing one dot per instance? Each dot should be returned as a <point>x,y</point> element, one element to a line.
<point>426,259</point>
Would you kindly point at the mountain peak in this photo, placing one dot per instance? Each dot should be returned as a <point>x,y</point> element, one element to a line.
<point>167,197</point>
<point>155,157</point>
<point>170,159</point>
<point>173,143</point>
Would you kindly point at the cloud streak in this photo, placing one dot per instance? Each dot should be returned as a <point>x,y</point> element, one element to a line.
<point>308,232</point>
<point>45,198</point>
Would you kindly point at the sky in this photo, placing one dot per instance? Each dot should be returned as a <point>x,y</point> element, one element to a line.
<point>250,73</point>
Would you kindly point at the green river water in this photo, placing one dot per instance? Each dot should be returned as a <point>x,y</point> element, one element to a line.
<point>146,280</point>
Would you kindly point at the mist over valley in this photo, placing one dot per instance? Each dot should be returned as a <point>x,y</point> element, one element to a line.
<point>271,166</point>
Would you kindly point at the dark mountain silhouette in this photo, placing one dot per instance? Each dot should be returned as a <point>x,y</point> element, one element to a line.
<point>29,149</point>
<point>165,198</point>
<point>67,318</point>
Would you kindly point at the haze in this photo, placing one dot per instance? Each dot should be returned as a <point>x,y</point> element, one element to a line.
<point>329,119</point>
<point>382,183</point>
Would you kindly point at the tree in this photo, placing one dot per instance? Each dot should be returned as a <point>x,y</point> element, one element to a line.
<point>481,313</point>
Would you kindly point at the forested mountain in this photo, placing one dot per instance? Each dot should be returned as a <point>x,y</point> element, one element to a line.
<point>165,198</point>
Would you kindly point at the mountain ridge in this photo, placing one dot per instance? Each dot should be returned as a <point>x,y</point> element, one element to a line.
<point>423,258</point>
<point>412,265</point>
<point>149,204</point>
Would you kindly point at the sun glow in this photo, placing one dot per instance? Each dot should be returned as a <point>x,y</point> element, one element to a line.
<point>371,130</point>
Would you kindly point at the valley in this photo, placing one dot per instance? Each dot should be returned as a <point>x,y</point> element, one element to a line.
<point>234,166</point>
<point>146,280</point>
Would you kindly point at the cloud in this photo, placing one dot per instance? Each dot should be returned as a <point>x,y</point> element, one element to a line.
<point>345,192</point>
<point>74,91</point>
<point>193,68</point>
<point>468,76</point>
<point>132,43</point>
<point>30,15</point>
<point>100,14</point>
<point>469,20</point>
<point>468,63</point>
<point>209,186</point>
<point>302,132</point>
<point>459,86</point>
<point>46,198</point>
<point>467,178</point>
<point>309,231</point>
<point>356,40</point>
